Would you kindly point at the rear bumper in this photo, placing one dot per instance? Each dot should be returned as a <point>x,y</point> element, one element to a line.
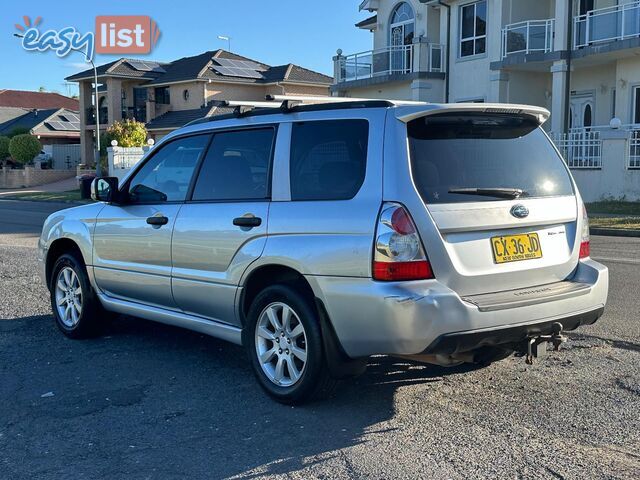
<point>451,343</point>
<point>409,318</point>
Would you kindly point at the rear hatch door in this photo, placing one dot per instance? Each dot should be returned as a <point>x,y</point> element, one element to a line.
<point>500,197</point>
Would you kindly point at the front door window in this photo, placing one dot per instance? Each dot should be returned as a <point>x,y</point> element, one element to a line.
<point>166,176</point>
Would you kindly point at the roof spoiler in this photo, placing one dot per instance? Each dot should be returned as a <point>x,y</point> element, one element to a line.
<point>407,114</point>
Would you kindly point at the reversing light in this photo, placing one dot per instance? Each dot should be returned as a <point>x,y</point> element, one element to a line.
<point>398,251</point>
<point>585,249</point>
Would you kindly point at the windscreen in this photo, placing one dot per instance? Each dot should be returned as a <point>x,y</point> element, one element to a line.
<point>474,157</point>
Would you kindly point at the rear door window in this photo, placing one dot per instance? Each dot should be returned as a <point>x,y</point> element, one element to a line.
<point>328,159</point>
<point>466,151</point>
<point>236,166</point>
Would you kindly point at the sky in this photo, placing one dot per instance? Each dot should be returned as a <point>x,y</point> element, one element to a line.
<point>275,32</point>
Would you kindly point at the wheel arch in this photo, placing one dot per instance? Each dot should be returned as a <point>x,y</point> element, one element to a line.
<point>58,248</point>
<point>339,363</point>
<point>271,274</point>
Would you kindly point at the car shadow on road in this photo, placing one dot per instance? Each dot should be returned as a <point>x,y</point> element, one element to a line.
<point>151,399</point>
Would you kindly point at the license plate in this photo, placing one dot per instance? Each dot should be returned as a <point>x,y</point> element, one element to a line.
<point>514,248</point>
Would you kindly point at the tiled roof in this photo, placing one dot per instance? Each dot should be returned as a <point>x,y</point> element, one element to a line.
<point>300,74</point>
<point>368,23</point>
<point>123,67</point>
<point>186,68</point>
<point>41,100</point>
<point>9,113</point>
<point>179,118</point>
<point>198,67</point>
<point>52,121</point>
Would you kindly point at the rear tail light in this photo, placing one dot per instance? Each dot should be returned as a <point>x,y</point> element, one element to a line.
<point>584,241</point>
<point>398,252</point>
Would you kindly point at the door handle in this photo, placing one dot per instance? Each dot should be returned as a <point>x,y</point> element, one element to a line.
<point>248,221</point>
<point>157,221</point>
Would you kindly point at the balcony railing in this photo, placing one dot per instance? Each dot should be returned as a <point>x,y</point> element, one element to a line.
<point>91,116</point>
<point>607,24</point>
<point>528,37</point>
<point>391,60</point>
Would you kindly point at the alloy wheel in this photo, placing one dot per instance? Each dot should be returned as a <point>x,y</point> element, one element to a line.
<point>68,297</point>
<point>281,344</point>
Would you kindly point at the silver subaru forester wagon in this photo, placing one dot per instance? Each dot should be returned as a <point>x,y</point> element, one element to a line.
<point>318,235</point>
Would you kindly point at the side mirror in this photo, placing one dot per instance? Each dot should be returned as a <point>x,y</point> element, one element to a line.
<point>104,189</point>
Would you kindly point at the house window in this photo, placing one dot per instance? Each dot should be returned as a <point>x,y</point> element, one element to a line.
<point>613,103</point>
<point>162,95</point>
<point>473,29</point>
<point>402,27</point>
<point>636,105</point>
<point>401,32</point>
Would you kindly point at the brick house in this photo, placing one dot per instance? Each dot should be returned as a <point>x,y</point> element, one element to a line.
<point>166,96</point>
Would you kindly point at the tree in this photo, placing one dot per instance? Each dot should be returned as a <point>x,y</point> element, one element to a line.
<point>4,148</point>
<point>23,148</point>
<point>128,133</point>
<point>42,89</point>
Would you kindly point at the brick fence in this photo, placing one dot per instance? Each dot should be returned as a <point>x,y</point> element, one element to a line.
<point>30,177</point>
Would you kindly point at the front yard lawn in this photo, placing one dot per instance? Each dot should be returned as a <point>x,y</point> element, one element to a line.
<point>623,223</point>
<point>614,207</point>
<point>70,196</point>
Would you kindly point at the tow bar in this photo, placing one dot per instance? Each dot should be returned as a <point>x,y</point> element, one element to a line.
<point>533,343</point>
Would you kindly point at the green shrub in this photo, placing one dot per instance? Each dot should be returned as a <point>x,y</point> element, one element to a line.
<point>23,148</point>
<point>128,133</point>
<point>4,148</point>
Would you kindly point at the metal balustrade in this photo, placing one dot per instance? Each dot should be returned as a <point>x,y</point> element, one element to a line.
<point>581,147</point>
<point>633,161</point>
<point>607,24</point>
<point>387,61</point>
<point>528,37</point>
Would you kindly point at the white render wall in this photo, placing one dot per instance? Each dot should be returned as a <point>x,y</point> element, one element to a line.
<point>627,76</point>
<point>472,79</point>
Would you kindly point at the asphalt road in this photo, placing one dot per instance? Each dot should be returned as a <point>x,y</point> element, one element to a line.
<point>152,401</point>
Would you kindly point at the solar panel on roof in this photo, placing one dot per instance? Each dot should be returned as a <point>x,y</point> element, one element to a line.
<point>72,117</point>
<point>145,66</point>
<point>225,62</point>
<point>63,126</point>
<point>244,64</point>
<point>55,125</point>
<point>236,72</point>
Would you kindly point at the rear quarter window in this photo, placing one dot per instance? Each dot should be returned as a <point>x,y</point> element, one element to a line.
<point>328,159</point>
<point>466,151</point>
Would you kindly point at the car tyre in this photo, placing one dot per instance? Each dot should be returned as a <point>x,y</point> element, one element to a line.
<point>283,339</point>
<point>75,305</point>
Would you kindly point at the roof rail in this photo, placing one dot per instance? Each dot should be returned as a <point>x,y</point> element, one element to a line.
<point>293,104</point>
<point>239,103</point>
<point>243,108</point>
<point>311,100</point>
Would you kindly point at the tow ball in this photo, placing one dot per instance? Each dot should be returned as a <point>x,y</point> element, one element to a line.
<point>533,344</point>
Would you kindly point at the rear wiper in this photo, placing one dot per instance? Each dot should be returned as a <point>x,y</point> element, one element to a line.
<point>491,192</point>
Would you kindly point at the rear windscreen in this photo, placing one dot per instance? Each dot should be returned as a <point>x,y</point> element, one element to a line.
<point>465,151</point>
